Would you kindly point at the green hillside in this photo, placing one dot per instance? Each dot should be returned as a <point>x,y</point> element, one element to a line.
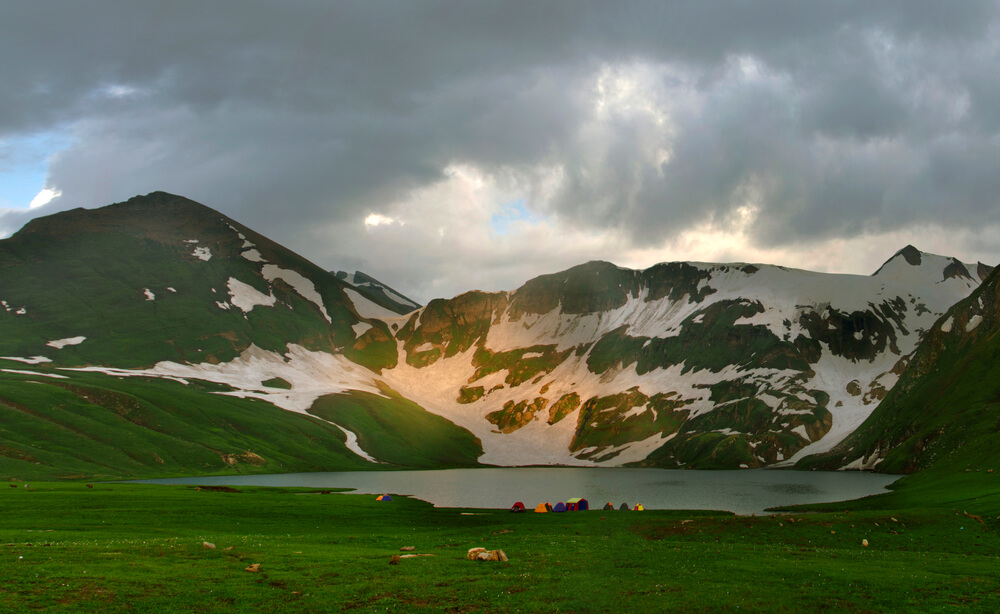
<point>98,426</point>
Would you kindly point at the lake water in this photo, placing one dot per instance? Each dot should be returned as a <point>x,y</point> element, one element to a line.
<point>743,492</point>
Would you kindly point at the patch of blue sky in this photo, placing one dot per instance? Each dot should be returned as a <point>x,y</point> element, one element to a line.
<point>24,166</point>
<point>510,213</point>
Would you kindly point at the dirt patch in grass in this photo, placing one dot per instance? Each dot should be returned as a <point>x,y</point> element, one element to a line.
<point>217,488</point>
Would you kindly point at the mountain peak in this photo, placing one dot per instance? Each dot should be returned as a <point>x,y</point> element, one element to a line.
<point>154,210</point>
<point>911,265</point>
<point>909,254</point>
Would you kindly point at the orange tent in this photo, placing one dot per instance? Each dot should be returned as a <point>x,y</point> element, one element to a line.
<point>543,508</point>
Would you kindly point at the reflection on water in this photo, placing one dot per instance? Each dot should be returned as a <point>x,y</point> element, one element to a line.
<point>792,489</point>
<point>743,492</point>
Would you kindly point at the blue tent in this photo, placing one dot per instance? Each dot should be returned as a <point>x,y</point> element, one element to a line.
<point>384,498</point>
<point>560,507</point>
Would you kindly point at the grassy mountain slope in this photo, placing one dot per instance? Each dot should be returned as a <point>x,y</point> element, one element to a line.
<point>99,426</point>
<point>398,431</point>
<point>161,282</point>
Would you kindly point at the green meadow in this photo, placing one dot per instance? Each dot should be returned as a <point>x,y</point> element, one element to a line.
<point>120,547</point>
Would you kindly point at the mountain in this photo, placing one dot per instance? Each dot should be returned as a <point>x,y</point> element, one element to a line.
<point>164,278</point>
<point>160,280</point>
<point>378,293</point>
<point>945,409</point>
<point>682,364</point>
<point>679,365</point>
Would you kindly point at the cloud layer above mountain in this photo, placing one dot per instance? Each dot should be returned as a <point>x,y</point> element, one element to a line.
<point>445,146</point>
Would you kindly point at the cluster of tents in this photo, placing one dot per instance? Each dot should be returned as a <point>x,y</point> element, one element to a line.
<point>572,505</point>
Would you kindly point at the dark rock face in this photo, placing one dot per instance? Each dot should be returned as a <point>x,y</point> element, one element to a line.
<point>983,270</point>
<point>956,269</point>
<point>911,254</point>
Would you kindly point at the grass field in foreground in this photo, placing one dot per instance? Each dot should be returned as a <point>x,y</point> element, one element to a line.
<point>138,548</point>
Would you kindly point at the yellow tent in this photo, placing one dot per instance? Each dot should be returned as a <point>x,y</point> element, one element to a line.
<point>638,508</point>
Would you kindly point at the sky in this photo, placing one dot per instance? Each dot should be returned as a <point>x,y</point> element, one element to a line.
<point>443,147</point>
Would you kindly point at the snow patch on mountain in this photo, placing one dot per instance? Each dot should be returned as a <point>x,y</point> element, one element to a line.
<point>353,446</point>
<point>361,328</point>
<point>246,297</point>
<point>202,253</point>
<point>402,300</point>
<point>24,372</point>
<point>30,360</point>
<point>367,309</point>
<point>8,308</point>
<point>433,388</point>
<point>311,375</point>
<point>61,343</point>
<point>301,284</point>
<point>253,255</point>
<point>149,294</point>
<point>973,322</point>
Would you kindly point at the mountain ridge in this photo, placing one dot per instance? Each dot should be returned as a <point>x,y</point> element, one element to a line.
<point>681,364</point>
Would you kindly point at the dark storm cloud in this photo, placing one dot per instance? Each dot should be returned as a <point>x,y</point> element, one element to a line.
<point>830,118</point>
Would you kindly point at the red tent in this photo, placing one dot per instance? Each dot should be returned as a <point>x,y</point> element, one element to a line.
<point>517,507</point>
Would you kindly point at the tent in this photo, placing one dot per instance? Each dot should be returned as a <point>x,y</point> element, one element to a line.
<point>577,505</point>
<point>608,507</point>
<point>560,507</point>
<point>543,508</point>
<point>517,507</point>
<point>638,507</point>
<point>384,498</point>
<point>624,507</point>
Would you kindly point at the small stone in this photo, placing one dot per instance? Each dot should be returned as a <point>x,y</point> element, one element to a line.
<point>407,548</point>
<point>208,545</point>
<point>864,543</point>
<point>394,559</point>
<point>253,568</point>
<point>473,553</point>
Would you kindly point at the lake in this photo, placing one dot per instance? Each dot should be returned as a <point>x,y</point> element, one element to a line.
<point>743,492</point>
